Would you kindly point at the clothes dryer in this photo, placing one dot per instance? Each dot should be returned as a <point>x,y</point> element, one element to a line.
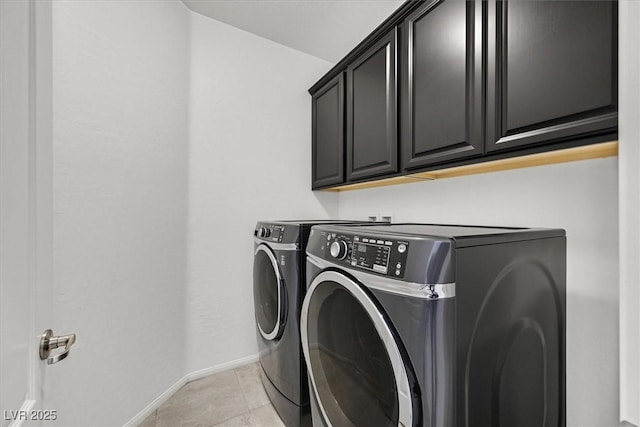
<point>431,325</point>
<point>278,290</point>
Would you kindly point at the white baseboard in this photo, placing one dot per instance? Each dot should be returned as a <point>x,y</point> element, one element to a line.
<point>148,410</point>
<point>222,367</point>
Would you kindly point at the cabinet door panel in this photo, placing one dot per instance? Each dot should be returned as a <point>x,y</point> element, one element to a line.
<point>442,88</point>
<point>371,111</point>
<point>328,134</point>
<point>553,70</point>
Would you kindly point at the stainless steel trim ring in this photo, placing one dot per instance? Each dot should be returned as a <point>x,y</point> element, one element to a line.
<point>277,246</point>
<point>405,411</point>
<point>274,263</point>
<point>394,286</point>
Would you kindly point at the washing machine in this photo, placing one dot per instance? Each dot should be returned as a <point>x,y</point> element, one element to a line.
<point>278,291</point>
<point>435,325</point>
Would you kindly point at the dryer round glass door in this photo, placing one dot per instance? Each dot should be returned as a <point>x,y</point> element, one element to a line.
<point>357,371</point>
<point>268,294</point>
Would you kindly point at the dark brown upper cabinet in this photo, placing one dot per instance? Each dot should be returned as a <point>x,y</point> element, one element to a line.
<point>442,83</point>
<point>372,129</point>
<point>446,83</point>
<point>551,71</point>
<point>327,140</point>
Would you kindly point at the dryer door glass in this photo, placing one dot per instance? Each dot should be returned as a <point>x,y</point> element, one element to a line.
<point>267,293</point>
<point>356,370</point>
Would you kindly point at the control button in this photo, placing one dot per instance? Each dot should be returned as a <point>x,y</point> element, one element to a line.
<point>380,242</point>
<point>380,268</point>
<point>262,232</point>
<point>328,236</point>
<point>397,272</point>
<point>398,265</point>
<point>338,249</point>
<point>365,240</point>
<point>402,248</point>
<point>388,243</point>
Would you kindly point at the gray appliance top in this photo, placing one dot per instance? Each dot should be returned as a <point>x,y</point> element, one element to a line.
<point>462,235</point>
<point>291,232</point>
<point>314,221</point>
<point>415,254</point>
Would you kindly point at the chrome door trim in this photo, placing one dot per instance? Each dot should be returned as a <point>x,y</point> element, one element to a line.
<point>274,263</point>
<point>278,246</point>
<point>405,408</point>
<point>394,286</point>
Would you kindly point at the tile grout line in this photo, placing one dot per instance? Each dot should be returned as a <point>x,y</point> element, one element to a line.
<point>244,396</point>
<point>249,413</point>
<point>252,410</point>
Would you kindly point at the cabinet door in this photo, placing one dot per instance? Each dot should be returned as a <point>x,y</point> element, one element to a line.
<point>328,134</point>
<point>552,71</point>
<point>442,85</point>
<point>372,130</point>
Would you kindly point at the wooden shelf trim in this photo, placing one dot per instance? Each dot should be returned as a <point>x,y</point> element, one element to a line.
<point>594,151</point>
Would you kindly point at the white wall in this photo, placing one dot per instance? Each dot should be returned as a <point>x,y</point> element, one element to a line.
<point>629,179</point>
<point>14,205</point>
<point>250,158</point>
<point>582,198</point>
<point>120,81</point>
<point>170,132</point>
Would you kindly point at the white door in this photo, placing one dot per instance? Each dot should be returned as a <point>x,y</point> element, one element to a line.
<point>25,208</point>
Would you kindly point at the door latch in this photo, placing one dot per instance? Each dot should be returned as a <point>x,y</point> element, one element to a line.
<point>48,343</point>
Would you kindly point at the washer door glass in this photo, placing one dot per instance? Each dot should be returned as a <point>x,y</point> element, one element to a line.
<point>268,293</point>
<point>356,369</point>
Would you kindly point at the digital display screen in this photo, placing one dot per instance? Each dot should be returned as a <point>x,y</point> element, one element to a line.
<point>371,257</point>
<point>378,255</point>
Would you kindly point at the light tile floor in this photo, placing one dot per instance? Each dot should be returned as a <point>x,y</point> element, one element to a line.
<point>230,398</point>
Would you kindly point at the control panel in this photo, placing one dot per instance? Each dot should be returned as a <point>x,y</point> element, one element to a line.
<point>270,232</point>
<point>375,254</point>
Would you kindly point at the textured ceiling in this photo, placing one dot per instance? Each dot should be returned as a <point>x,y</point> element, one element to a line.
<point>327,29</point>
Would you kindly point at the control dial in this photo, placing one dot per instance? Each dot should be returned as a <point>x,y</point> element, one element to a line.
<point>264,232</point>
<point>338,249</point>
